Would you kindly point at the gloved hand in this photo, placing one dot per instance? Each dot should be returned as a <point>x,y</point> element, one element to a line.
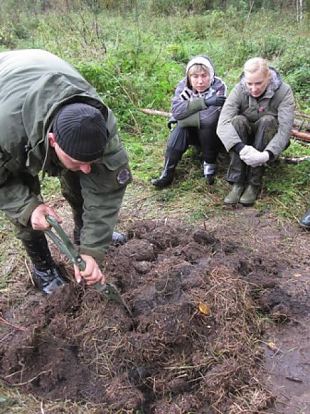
<point>247,149</point>
<point>252,157</point>
<point>215,100</point>
<point>186,94</point>
<point>171,121</point>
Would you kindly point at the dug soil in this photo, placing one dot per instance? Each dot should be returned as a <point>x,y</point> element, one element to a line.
<point>219,323</point>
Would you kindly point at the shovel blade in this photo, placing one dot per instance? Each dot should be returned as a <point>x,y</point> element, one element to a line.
<point>110,291</point>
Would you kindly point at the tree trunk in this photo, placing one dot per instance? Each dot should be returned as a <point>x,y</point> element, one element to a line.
<point>299,10</point>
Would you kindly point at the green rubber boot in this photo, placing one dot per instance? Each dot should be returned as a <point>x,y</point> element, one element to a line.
<point>234,196</point>
<point>250,195</point>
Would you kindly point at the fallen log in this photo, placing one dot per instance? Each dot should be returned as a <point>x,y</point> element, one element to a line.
<point>155,112</point>
<point>299,135</point>
<point>294,160</point>
<point>301,115</point>
<point>301,124</point>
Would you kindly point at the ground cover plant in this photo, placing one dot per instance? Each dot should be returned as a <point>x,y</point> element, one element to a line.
<point>208,286</point>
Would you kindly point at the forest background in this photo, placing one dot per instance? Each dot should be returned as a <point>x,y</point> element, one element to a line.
<point>135,51</point>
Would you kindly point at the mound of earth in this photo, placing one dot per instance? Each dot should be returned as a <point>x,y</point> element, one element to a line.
<point>191,345</point>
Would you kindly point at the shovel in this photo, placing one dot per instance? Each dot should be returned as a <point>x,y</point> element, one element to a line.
<point>62,241</point>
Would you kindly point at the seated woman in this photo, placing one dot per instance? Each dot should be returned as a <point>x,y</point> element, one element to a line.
<point>196,106</point>
<point>255,126</point>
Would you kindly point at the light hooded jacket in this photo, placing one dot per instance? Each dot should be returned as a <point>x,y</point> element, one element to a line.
<point>277,101</point>
<point>34,84</point>
<point>188,106</point>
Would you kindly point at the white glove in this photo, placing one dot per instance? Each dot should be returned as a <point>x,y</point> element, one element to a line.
<point>247,149</point>
<point>252,157</point>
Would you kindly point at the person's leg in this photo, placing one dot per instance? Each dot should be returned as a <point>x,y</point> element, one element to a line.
<point>210,145</point>
<point>46,276</point>
<point>264,129</point>
<point>177,144</point>
<point>237,170</point>
<point>71,190</point>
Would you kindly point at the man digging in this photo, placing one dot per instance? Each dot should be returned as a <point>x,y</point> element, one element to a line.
<point>53,121</point>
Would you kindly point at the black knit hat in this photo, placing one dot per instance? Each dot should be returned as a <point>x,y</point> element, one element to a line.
<point>81,131</point>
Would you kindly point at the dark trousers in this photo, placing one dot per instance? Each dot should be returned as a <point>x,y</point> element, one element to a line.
<point>257,134</point>
<point>71,190</point>
<point>204,138</point>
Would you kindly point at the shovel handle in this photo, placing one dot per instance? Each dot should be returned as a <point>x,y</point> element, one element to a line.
<point>63,242</point>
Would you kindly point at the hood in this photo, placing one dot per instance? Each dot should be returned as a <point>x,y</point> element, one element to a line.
<point>201,60</point>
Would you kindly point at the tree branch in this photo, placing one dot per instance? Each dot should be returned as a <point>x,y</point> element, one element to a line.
<point>299,135</point>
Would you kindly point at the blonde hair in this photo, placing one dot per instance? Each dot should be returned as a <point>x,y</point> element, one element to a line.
<point>198,67</point>
<point>257,64</point>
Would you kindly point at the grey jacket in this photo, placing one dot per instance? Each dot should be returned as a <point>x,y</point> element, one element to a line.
<point>277,101</point>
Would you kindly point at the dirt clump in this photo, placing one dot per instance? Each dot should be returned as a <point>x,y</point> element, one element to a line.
<point>192,344</point>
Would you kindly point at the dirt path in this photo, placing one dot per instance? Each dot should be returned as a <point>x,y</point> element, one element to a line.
<point>288,368</point>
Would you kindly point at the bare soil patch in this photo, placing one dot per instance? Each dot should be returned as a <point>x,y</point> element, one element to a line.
<point>217,308</point>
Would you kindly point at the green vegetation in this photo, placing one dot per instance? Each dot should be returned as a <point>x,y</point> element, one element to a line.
<point>134,52</point>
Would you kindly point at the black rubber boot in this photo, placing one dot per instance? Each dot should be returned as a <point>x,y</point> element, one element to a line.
<point>117,238</point>
<point>47,280</point>
<point>45,274</point>
<point>167,174</point>
<point>305,221</point>
<point>209,172</point>
<point>164,180</point>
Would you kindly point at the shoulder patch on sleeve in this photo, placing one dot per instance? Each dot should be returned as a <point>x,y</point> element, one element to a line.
<point>123,176</point>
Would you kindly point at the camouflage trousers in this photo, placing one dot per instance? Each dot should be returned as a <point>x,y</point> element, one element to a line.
<point>258,134</point>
